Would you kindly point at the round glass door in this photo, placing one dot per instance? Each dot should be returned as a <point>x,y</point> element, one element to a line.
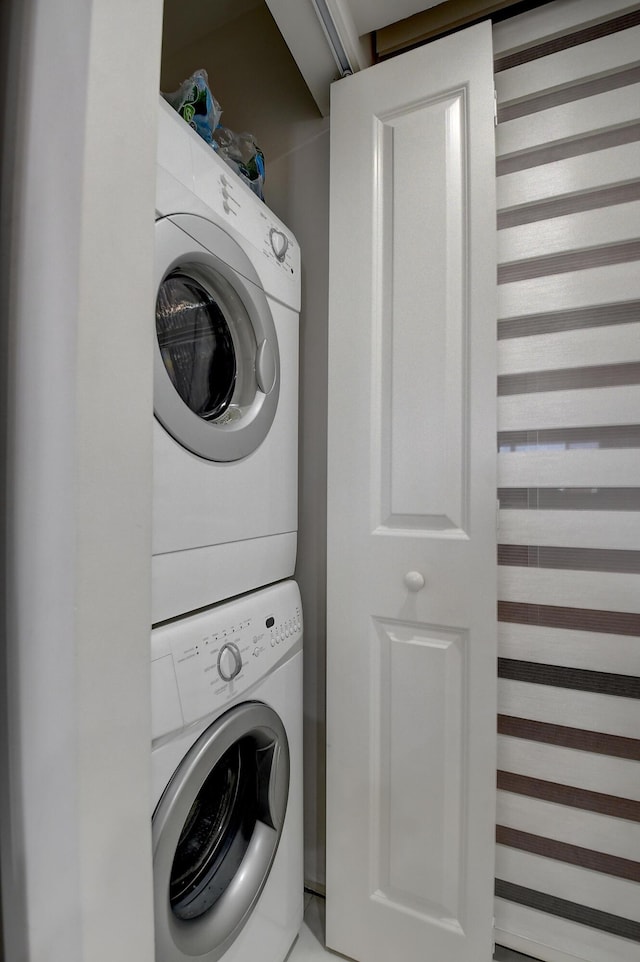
<point>196,345</point>
<point>216,381</point>
<point>216,832</point>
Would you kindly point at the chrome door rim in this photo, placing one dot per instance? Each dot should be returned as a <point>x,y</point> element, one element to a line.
<point>186,242</point>
<point>211,934</point>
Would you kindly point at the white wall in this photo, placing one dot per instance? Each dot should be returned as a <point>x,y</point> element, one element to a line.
<point>77,299</point>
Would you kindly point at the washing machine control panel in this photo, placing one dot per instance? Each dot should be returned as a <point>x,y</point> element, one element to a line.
<point>201,662</point>
<point>277,245</point>
<point>258,225</point>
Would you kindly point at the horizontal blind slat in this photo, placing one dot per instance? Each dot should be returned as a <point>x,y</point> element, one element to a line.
<point>580,408</point>
<point>574,232</point>
<point>600,139</point>
<point>588,650</point>
<point>601,590</point>
<point>556,939</point>
<point>618,896</point>
<point>570,559</point>
<point>609,866</point>
<point>571,469</point>
<point>604,55</point>
<point>531,27</point>
<point>611,284</point>
<point>574,175</point>
<point>569,766</point>
<point>580,799</point>
<point>570,349</point>
<point>614,836</point>
<point>618,375</point>
<point>568,121</point>
<point>617,623</point>
<point>588,529</point>
<point>563,706</point>
<point>580,319</point>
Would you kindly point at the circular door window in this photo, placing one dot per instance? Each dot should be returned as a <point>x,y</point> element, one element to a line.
<point>215,836</point>
<point>216,831</point>
<point>217,367</point>
<point>196,345</point>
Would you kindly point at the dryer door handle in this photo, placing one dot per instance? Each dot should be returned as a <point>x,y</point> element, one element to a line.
<point>278,788</point>
<point>273,782</point>
<point>265,367</point>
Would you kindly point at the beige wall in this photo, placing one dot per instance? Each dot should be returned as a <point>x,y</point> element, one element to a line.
<point>253,77</point>
<point>299,192</point>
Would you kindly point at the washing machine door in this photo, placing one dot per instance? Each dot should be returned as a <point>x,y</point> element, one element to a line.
<point>216,831</point>
<point>217,366</point>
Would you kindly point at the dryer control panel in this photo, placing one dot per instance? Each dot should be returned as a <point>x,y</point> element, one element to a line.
<point>202,661</point>
<point>192,178</point>
<point>257,225</point>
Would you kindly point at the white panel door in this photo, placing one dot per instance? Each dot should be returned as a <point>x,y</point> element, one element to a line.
<point>411,513</point>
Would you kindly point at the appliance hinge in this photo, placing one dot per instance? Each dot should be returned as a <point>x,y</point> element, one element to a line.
<point>495,107</point>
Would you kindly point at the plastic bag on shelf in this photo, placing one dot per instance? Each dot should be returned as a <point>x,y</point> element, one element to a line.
<point>194,102</point>
<point>242,154</point>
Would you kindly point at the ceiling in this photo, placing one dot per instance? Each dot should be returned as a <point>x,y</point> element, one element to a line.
<point>370,15</point>
<point>184,20</point>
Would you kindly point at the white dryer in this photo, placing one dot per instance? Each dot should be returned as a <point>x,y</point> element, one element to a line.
<point>225,382</point>
<point>227,780</point>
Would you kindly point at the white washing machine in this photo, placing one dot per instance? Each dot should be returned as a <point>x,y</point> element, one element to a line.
<point>225,382</point>
<point>227,780</point>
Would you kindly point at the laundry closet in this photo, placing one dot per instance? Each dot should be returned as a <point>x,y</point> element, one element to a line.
<point>526,914</point>
<point>80,454</point>
<point>295,142</point>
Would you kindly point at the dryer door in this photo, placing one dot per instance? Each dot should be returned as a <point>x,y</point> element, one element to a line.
<point>216,831</point>
<point>217,367</point>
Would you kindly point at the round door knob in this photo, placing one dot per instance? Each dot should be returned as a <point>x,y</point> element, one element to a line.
<point>414,580</point>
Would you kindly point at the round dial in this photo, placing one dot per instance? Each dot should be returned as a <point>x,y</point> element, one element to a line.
<point>229,661</point>
<point>279,243</point>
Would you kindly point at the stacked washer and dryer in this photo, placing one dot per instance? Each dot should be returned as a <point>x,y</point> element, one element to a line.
<point>226,647</point>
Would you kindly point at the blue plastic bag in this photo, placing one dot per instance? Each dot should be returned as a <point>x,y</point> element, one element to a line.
<point>195,103</point>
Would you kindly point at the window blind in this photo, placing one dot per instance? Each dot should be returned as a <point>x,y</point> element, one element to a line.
<point>568,166</point>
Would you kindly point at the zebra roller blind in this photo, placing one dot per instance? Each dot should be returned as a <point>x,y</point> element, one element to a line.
<point>568,145</point>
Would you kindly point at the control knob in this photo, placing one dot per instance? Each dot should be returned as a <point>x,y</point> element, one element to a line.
<point>279,243</point>
<point>229,662</point>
